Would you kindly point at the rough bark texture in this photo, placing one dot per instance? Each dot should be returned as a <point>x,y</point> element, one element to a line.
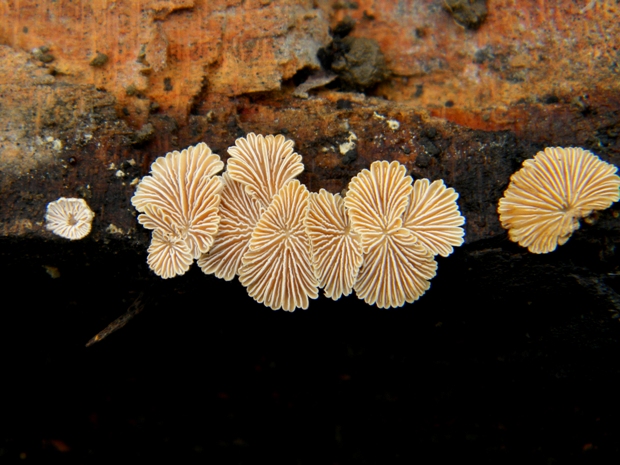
<point>88,87</point>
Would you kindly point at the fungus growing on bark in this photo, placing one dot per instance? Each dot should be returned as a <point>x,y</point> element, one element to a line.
<point>277,270</point>
<point>257,168</point>
<point>169,252</point>
<point>69,218</point>
<point>336,246</point>
<point>433,216</point>
<point>239,214</point>
<point>397,267</point>
<point>263,165</point>
<point>545,199</point>
<point>179,201</point>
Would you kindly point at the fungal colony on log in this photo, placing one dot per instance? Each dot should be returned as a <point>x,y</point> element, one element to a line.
<point>257,222</point>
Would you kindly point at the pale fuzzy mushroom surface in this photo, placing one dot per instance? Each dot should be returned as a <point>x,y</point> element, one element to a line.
<point>376,200</point>
<point>263,164</point>
<point>69,218</point>
<point>277,269</point>
<point>545,199</point>
<point>184,186</point>
<point>433,216</point>
<point>169,253</point>
<point>336,246</point>
<point>239,214</point>
<point>396,267</point>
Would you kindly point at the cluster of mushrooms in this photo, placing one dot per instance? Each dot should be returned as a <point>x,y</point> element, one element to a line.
<point>257,222</point>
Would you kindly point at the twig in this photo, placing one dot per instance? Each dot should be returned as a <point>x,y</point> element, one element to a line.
<point>136,307</point>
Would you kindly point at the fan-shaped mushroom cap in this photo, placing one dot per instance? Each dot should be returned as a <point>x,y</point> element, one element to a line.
<point>336,246</point>
<point>69,218</point>
<point>169,253</point>
<point>263,165</point>
<point>376,200</point>
<point>396,267</point>
<point>276,269</point>
<point>433,216</point>
<point>239,214</point>
<point>547,196</point>
<point>183,186</point>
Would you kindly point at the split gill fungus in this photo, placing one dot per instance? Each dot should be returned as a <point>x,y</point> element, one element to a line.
<point>396,268</point>
<point>256,170</point>
<point>261,238</point>
<point>239,213</point>
<point>546,198</point>
<point>263,165</point>
<point>257,222</point>
<point>69,218</point>
<point>277,268</point>
<point>336,247</point>
<point>179,201</point>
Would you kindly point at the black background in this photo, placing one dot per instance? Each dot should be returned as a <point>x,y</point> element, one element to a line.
<point>508,358</point>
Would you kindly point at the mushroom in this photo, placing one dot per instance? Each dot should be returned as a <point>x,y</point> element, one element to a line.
<point>257,168</point>
<point>396,270</point>
<point>336,246</point>
<point>545,199</point>
<point>263,165</point>
<point>69,218</point>
<point>169,252</point>
<point>396,267</point>
<point>277,270</point>
<point>239,214</point>
<point>433,216</point>
<point>180,202</point>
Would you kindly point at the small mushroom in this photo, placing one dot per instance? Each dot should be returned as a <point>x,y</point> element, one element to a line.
<point>239,214</point>
<point>545,199</point>
<point>396,270</point>
<point>336,246</point>
<point>263,165</point>
<point>180,201</point>
<point>433,216</point>
<point>376,200</point>
<point>169,252</point>
<point>277,269</point>
<point>397,267</point>
<point>69,218</point>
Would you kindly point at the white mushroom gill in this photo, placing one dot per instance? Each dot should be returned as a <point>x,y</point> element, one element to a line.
<point>179,201</point>
<point>546,198</point>
<point>69,218</point>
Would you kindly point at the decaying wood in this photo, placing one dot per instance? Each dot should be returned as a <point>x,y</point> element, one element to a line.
<point>93,92</point>
<point>136,307</point>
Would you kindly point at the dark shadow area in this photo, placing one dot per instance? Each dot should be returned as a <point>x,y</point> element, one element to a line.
<point>508,358</point>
